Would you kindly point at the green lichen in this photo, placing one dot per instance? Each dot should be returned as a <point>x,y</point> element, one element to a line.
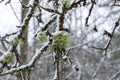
<point>8,58</point>
<point>66,3</point>
<point>21,41</point>
<point>60,40</point>
<point>42,37</point>
<point>16,41</point>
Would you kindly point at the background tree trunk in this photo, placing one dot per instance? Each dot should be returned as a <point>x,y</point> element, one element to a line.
<point>24,47</point>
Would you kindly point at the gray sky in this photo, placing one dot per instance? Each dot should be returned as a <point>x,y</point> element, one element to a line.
<point>8,20</point>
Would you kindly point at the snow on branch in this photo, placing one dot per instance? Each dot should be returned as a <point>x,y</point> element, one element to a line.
<point>50,10</point>
<point>28,17</point>
<point>75,4</point>
<point>23,26</point>
<point>8,35</point>
<point>30,64</point>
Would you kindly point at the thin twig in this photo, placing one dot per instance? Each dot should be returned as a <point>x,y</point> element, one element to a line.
<point>14,13</point>
<point>8,2</point>
<point>105,50</point>
<point>3,45</point>
<point>50,10</point>
<point>8,35</point>
<point>80,45</point>
<point>115,75</point>
<point>90,11</point>
<point>75,4</point>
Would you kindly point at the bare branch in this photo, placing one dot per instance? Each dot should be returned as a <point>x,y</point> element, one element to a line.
<point>8,35</point>
<point>75,4</point>
<point>90,11</point>
<point>105,49</point>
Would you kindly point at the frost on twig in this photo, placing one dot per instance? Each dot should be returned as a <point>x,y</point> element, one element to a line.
<point>30,64</point>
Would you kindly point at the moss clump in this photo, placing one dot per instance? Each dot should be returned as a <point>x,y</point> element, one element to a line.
<point>60,40</point>
<point>42,36</point>
<point>66,3</point>
<point>8,58</point>
<point>16,41</point>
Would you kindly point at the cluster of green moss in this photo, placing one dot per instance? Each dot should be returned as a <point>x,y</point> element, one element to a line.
<point>60,40</point>
<point>8,58</point>
<point>66,3</point>
<point>16,41</point>
<point>42,36</point>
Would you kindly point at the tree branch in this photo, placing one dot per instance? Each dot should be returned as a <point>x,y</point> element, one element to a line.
<point>90,11</point>
<point>24,25</point>
<point>37,55</point>
<point>115,75</point>
<point>75,4</point>
<point>50,10</point>
<point>105,49</point>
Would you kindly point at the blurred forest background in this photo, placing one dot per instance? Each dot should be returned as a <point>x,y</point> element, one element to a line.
<point>93,27</point>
